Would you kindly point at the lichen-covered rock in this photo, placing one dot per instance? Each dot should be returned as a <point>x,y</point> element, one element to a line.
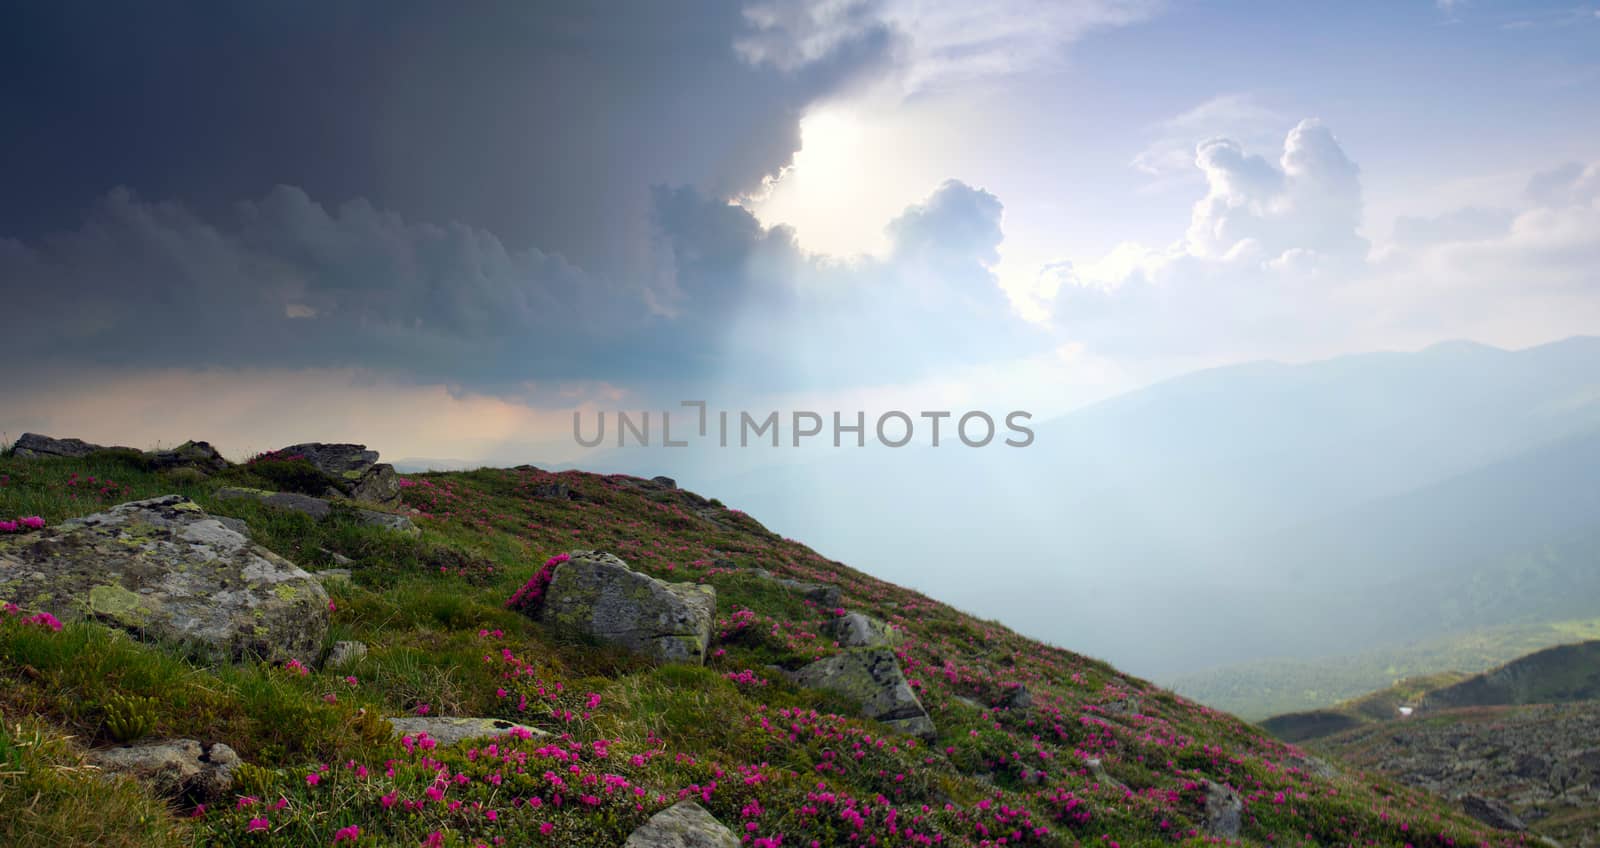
<point>856,630</point>
<point>452,730</point>
<point>176,769</point>
<point>319,508</point>
<point>164,570</point>
<point>200,456</point>
<point>1223,810</point>
<point>596,593</point>
<point>352,471</point>
<point>36,446</point>
<point>872,678</point>
<point>682,825</point>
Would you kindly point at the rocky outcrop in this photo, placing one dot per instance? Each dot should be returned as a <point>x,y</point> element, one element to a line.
<point>352,471</point>
<point>36,446</point>
<point>552,491</point>
<point>824,595</point>
<point>319,508</point>
<point>1223,811</point>
<point>200,456</point>
<point>452,730</point>
<point>164,570</point>
<point>872,678</point>
<point>856,630</point>
<point>682,825</point>
<point>175,769</point>
<point>1492,813</point>
<point>1535,765</point>
<point>595,593</point>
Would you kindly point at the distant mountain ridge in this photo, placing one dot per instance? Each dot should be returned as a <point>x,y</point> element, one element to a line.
<point>1283,498</point>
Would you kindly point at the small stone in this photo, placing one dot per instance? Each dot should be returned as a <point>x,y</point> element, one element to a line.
<point>451,730</point>
<point>855,630</point>
<point>1223,809</point>
<point>682,825</point>
<point>176,769</point>
<point>346,652</point>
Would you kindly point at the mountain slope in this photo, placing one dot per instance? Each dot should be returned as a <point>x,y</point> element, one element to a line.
<point>1091,756</point>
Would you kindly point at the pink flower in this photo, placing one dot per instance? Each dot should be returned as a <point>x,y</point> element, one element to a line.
<point>33,522</point>
<point>8,526</point>
<point>257,824</point>
<point>351,833</point>
<point>313,779</point>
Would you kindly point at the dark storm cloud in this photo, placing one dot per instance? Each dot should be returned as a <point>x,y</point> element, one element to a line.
<point>476,197</point>
<point>543,123</point>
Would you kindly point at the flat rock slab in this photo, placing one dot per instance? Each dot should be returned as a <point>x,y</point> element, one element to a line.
<point>319,508</point>
<point>176,769</point>
<point>597,594</point>
<point>682,825</point>
<point>452,730</point>
<point>164,570</point>
<point>872,678</point>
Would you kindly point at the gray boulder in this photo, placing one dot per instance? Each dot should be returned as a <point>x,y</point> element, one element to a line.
<point>1223,811</point>
<point>665,482</point>
<point>682,825</point>
<point>855,630</point>
<point>595,593</point>
<point>352,471</point>
<point>175,769</point>
<point>453,730</point>
<point>872,678</point>
<point>165,570</point>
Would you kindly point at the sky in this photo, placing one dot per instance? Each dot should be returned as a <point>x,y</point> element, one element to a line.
<point>439,229</point>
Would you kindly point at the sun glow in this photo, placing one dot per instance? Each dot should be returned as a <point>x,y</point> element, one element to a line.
<point>843,186</point>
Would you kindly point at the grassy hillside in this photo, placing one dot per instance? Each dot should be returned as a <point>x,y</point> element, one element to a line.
<point>1099,758</point>
<point>1562,674</point>
<point>1555,675</point>
<point>1257,690</point>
